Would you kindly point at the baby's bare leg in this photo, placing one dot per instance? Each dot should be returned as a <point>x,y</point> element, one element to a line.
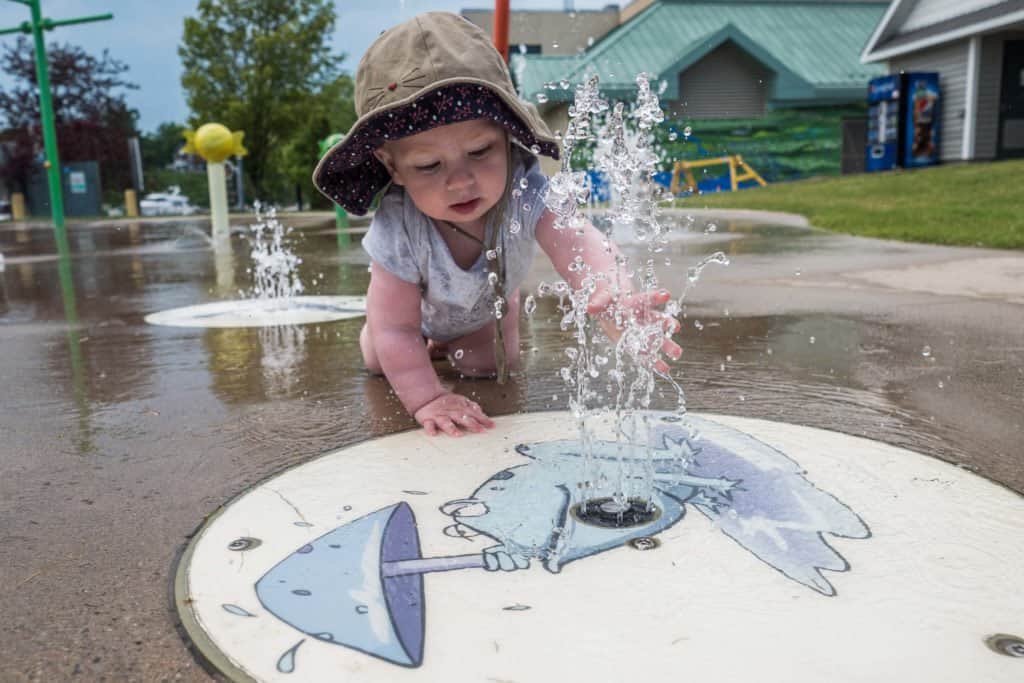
<point>369,353</point>
<point>477,348</point>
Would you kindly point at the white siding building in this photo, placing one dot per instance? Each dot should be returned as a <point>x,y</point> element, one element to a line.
<point>977,47</point>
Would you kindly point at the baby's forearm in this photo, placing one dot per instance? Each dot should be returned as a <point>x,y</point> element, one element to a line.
<point>602,256</point>
<point>404,359</point>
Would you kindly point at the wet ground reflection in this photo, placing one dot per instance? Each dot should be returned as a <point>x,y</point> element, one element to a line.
<point>121,436</point>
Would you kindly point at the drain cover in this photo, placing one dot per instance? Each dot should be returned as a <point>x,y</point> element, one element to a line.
<point>1005,644</point>
<point>612,514</point>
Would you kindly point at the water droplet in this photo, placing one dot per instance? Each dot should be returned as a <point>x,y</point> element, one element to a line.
<point>524,183</point>
<point>564,84</point>
<point>526,208</point>
<point>237,611</point>
<point>459,353</point>
<point>530,305</point>
<point>811,340</point>
<point>673,136</point>
<point>542,98</point>
<point>491,255</point>
<point>286,663</point>
<point>514,227</point>
<point>535,149</point>
<point>688,131</point>
<point>926,351</point>
<point>492,278</point>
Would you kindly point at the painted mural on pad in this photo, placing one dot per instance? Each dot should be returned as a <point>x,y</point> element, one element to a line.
<point>360,586</point>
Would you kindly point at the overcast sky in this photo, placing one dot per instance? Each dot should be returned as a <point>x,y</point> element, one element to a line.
<point>144,34</point>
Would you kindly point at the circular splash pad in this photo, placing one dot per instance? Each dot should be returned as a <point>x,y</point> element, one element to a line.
<point>298,310</point>
<point>812,554</point>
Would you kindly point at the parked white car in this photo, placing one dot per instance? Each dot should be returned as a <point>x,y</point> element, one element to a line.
<point>170,203</point>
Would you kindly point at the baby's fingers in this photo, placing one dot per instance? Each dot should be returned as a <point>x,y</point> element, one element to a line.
<point>447,425</point>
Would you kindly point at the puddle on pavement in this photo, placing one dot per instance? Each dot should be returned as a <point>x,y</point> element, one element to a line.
<point>109,386</point>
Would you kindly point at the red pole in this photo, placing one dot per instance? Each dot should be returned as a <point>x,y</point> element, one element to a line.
<point>501,27</point>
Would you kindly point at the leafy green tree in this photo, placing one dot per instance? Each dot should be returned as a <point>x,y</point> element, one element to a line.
<point>159,147</point>
<point>332,112</point>
<point>260,66</point>
<point>92,119</point>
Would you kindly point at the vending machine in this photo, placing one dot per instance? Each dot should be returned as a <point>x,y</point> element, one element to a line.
<point>883,123</point>
<point>903,121</point>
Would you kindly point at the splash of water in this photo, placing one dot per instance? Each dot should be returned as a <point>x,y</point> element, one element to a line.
<point>611,368</point>
<point>275,266</point>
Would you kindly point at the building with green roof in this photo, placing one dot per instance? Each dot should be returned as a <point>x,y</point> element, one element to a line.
<point>725,59</point>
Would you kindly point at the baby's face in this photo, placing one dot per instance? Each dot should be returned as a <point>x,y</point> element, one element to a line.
<point>454,173</point>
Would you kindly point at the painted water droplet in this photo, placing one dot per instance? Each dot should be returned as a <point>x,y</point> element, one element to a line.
<point>302,524</point>
<point>516,608</point>
<point>237,611</point>
<point>362,609</point>
<point>286,663</point>
<point>302,591</point>
<point>305,550</point>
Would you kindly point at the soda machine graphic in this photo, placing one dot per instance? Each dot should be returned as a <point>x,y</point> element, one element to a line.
<point>903,121</point>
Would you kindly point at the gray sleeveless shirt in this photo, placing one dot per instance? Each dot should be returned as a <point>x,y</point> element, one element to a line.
<point>455,302</point>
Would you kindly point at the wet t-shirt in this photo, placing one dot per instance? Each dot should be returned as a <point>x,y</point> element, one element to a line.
<point>454,301</point>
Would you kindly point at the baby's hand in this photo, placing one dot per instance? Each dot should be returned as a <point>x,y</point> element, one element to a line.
<point>642,310</point>
<point>452,413</point>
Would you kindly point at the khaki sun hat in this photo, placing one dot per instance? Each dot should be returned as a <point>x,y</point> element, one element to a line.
<point>435,69</point>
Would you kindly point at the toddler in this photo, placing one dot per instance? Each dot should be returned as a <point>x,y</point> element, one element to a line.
<point>442,134</point>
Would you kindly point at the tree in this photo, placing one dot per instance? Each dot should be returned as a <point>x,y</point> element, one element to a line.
<point>332,112</point>
<point>260,67</point>
<point>92,120</point>
<point>159,147</point>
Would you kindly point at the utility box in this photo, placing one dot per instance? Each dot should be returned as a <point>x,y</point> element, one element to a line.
<point>81,190</point>
<point>855,133</point>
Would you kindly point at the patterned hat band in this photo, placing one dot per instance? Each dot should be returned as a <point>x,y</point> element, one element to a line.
<point>351,175</point>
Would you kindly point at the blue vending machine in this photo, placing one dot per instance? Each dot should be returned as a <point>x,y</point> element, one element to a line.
<point>920,120</point>
<point>903,121</point>
<point>883,123</point>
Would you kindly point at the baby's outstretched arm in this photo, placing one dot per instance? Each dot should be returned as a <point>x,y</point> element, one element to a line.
<point>394,341</point>
<point>611,304</point>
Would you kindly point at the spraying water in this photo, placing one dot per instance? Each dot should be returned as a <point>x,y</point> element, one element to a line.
<point>275,265</point>
<point>611,369</point>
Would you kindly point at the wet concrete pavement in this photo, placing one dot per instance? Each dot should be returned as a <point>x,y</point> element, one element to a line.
<point>117,438</point>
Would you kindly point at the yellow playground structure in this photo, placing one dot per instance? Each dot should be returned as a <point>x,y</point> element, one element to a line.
<point>739,171</point>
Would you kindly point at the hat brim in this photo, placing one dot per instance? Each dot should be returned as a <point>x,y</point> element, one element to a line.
<point>350,175</point>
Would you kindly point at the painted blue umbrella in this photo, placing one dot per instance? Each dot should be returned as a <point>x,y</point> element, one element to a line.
<point>360,586</point>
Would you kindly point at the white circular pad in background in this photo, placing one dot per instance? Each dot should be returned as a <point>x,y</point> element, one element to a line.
<point>298,310</point>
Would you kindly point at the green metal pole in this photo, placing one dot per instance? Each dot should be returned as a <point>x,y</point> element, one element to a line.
<point>52,162</point>
<point>341,223</point>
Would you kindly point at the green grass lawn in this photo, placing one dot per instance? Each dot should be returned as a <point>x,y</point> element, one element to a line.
<point>963,204</point>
